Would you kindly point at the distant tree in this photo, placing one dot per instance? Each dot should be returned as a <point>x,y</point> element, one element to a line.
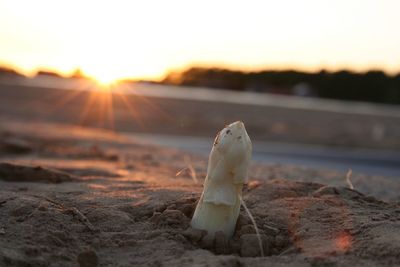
<point>9,72</point>
<point>47,73</point>
<point>78,74</point>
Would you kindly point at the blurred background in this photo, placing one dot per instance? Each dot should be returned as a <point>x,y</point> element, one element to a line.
<point>317,83</point>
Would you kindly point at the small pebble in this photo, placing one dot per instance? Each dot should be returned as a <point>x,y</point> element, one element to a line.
<point>188,209</point>
<point>194,235</point>
<point>88,258</point>
<point>174,217</point>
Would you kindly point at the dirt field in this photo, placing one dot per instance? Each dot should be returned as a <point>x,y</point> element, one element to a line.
<point>73,196</point>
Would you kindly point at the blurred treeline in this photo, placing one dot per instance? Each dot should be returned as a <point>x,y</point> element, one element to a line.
<point>372,86</point>
<point>9,72</point>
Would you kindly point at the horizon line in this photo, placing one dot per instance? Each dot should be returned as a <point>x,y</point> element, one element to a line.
<point>220,66</point>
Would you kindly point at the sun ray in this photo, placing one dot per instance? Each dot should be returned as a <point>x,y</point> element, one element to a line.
<point>59,103</point>
<point>131,109</point>
<point>110,112</point>
<point>163,113</point>
<point>87,106</point>
<point>102,108</point>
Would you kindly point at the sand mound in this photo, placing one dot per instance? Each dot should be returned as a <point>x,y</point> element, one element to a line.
<point>19,173</point>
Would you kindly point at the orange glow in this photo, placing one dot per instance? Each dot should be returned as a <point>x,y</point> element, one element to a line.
<point>105,83</point>
<point>323,237</point>
<point>99,104</point>
<point>343,241</point>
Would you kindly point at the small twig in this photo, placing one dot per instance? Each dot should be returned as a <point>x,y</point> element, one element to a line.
<point>288,250</point>
<point>180,172</point>
<point>59,205</point>
<point>348,176</point>
<point>84,219</point>
<point>254,224</point>
<point>189,167</point>
<point>74,211</point>
<point>276,230</point>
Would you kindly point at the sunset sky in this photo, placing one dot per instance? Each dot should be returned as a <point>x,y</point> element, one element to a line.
<point>146,39</point>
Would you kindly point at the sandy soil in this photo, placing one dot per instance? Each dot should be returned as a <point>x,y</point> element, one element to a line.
<point>98,199</point>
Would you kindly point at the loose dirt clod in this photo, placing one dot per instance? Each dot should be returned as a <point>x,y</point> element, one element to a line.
<point>170,218</point>
<point>15,146</point>
<point>194,235</point>
<point>20,173</point>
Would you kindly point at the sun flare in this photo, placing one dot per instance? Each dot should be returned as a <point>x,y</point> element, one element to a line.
<point>105,81</point>
<point>104,84</point>
<point>105,78</point>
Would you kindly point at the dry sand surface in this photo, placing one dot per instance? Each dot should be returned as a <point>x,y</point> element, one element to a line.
<point>72,196</point>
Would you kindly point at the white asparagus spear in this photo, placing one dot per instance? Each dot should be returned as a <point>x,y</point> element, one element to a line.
<point>219,204</point>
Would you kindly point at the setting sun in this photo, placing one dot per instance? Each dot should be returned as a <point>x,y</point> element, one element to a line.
<point>105,77</point>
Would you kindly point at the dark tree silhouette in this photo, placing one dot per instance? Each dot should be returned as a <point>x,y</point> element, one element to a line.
<point>372,86</point>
